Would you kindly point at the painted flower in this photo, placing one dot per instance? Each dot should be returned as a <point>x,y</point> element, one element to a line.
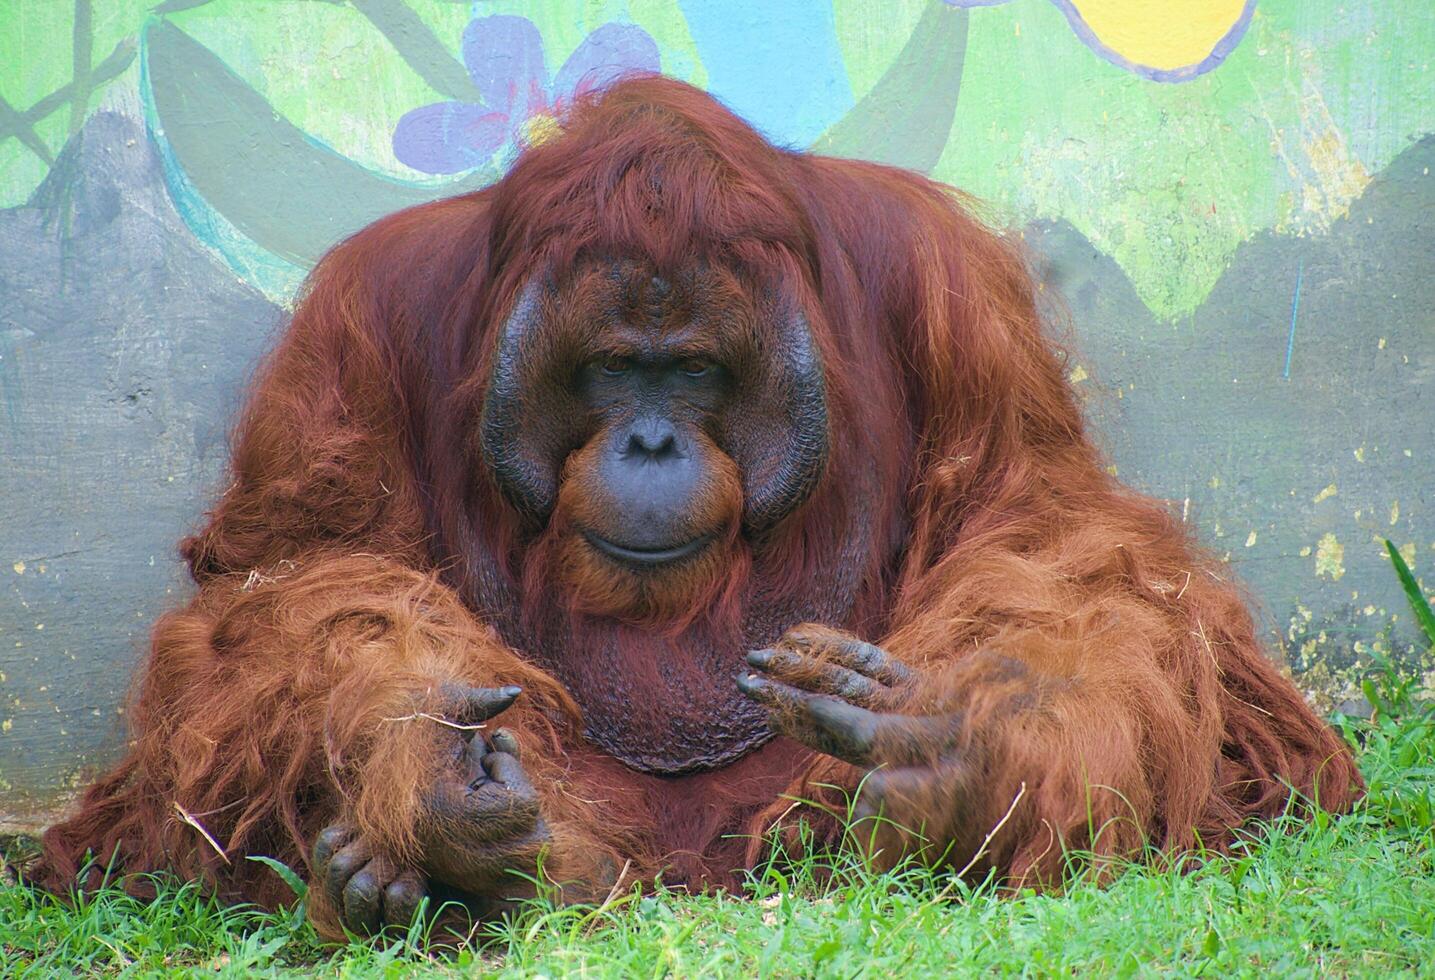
<point>504,57</point>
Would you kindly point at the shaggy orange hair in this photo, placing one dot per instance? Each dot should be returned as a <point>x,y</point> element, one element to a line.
<point>362,558</point>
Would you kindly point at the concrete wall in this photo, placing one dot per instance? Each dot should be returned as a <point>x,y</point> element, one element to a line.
<point>1233,196</point>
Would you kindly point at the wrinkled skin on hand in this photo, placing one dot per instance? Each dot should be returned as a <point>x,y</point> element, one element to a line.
<point>853,700</point>
<point>481,829</point>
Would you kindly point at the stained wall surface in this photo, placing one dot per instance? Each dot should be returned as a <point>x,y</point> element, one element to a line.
<point>1232,197</point>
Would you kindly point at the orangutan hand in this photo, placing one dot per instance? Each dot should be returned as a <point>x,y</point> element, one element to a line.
<point>366,889</point>
<point>480,822</point>
<point>841,696</point>
<point>483,828</point>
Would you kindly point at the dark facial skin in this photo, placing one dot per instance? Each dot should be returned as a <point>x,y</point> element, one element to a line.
<point>650,397</point>
<point>659,378</point>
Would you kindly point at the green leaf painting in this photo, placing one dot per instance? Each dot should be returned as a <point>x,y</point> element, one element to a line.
<point>279,119</point>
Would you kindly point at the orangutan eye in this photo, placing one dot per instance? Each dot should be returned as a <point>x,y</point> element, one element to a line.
<point>613,366</point>
<point>695,367</point>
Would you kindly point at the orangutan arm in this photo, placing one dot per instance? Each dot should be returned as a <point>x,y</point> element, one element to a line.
<point>1095,717</point>
<point>324,691</point>
<point>1041,759</point>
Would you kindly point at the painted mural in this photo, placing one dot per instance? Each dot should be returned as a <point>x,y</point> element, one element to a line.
<point>1230,200</point>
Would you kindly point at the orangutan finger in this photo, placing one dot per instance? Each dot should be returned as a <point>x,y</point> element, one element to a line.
<point>847,731</point>
<point>402,899</point>
<point>509,794</point>
<point>772,695</point>
<point>786,705</point>
<point>505,768</point>
<point>330,839</point>
<point>846,734</point>
<point>869,659</point>
<point>505,741</point>
<point>363,896</point>
<point>346,862</point>
<point>472,763</point>
<point>465,705</point>
<point>500,804</point>
<point>819,676</point>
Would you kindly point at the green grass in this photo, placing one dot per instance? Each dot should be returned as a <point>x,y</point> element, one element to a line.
<point>1347,896</point>
<point>1354,895</point>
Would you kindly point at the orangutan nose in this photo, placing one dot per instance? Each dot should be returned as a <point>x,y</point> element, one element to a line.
<point>652,440</point>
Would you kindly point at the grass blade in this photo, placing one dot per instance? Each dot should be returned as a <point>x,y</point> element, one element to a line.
<point>292,879</point>
<point>1424,615</point>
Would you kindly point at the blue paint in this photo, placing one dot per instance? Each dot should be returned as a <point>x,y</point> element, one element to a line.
<point>1295,309</point>
<point>776,65</point>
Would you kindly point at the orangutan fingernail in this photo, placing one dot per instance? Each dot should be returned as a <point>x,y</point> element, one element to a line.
<point>759,658</point>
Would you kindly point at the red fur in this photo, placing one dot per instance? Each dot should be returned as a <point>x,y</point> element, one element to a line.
<point>362,556</point>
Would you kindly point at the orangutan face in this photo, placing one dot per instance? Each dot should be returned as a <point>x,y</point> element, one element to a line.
<point>650,427</point>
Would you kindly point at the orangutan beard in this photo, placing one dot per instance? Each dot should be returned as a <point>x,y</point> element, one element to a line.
<point>651,656</point>
<point>667,600</point>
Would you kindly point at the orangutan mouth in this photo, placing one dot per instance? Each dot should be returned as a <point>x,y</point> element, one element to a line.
<point>646,557</point>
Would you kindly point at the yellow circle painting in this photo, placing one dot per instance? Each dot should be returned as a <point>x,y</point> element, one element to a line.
<point>1163,40</point>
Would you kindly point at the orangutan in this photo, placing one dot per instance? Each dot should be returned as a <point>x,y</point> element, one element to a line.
<point>719,475</point>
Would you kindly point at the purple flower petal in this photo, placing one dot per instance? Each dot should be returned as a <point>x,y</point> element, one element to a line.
<point>449,137</point>
<point>609,52</point>
<point>504,55</point>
